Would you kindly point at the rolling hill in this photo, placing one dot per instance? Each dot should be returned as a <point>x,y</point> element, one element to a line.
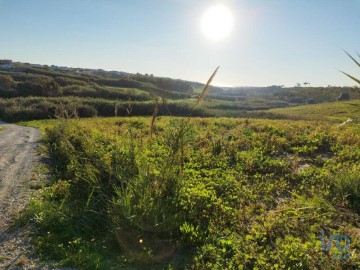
<point>29,91</point>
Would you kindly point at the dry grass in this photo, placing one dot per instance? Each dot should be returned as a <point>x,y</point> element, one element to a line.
<point>156,110</point>
<point>206,89</point>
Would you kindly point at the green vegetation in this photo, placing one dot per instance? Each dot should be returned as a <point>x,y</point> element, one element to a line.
<point>334,111</point>
<point>29,92</point>
<point>199,193</point>
<point>166,192</point>
<point>30,108</point>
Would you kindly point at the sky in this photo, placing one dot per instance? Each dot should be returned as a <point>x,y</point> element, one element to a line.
<point>271,42</point>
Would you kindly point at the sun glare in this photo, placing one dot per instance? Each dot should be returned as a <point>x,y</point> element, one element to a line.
<point>217,22</point>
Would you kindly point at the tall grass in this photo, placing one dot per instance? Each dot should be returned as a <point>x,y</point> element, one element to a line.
<point>152,124</point>
<point>205,90</point>
<point>346,185</point>
<point>357,63</point>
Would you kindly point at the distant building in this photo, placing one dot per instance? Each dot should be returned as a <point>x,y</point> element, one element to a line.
<point>53,67</point>
<point>36,65</point>
<point>6,64</point>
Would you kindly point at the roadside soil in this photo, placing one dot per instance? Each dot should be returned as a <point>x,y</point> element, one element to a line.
<point>18,163</point>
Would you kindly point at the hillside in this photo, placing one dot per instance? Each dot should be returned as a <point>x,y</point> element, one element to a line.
<point>332,111</point>
<point>29,92</point>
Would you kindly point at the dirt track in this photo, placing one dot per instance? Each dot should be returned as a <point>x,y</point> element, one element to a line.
<point>18,161</point>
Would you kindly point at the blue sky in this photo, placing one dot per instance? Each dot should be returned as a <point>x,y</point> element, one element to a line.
<point>280,42</point>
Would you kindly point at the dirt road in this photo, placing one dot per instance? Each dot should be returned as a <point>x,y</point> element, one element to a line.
<point>18,161</point>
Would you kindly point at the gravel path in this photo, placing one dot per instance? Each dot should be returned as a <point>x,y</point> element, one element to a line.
<point>18,162</point>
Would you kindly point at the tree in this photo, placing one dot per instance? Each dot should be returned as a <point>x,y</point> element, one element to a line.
<point>87,111</point>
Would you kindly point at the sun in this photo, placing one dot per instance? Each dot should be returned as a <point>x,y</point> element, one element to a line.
<point>217,22</point>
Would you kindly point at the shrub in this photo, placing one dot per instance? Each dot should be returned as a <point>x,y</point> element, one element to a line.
<point>346,185</point>
<point>87,111</point>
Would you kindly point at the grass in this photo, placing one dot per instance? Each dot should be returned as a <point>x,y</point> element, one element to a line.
<point>42,125</point>
<point>333,111</point>
<point>205,193</point>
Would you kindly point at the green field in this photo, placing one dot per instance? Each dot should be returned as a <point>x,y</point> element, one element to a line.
<point>199,193</point>
<point>334,111</point>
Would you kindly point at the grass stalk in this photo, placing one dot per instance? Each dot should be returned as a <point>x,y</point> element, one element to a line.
<point>155,112</point>
<point>205,90</point>
<point>357,63</point>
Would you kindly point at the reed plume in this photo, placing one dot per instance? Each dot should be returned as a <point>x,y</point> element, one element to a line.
<point>155,112</point>
<point>205,90</point>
